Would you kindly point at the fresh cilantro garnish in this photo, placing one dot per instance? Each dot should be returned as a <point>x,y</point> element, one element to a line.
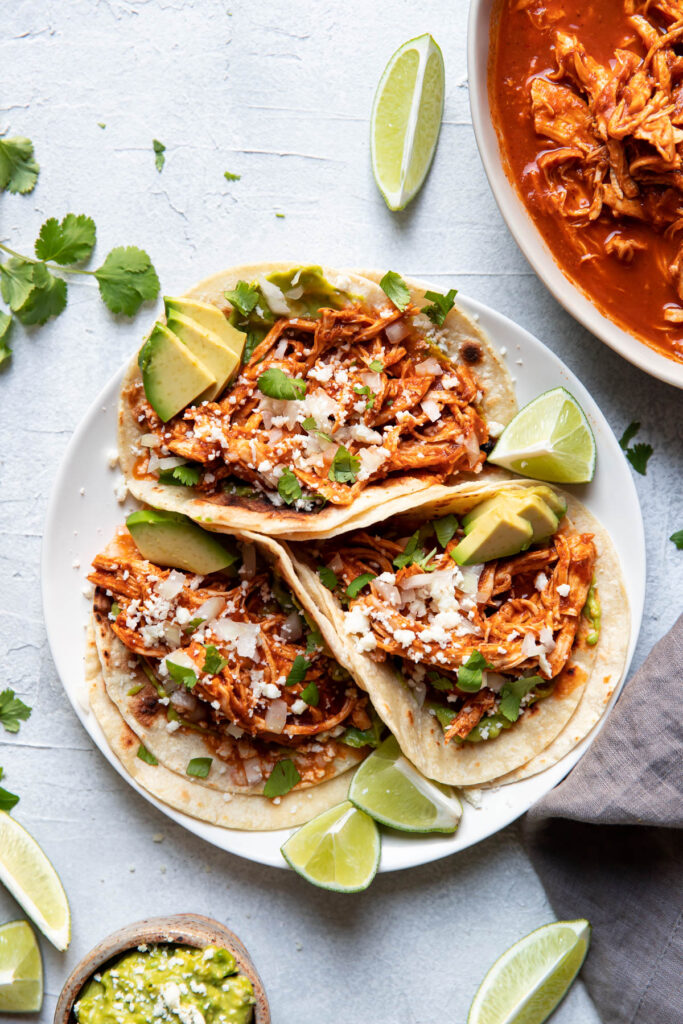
<point>127,279</point>
<point>145,755</point>
<point>395,288</point>
<point>181,674</point>
<point>213,661</point>
<point>16,281</point>
<point>512,692</point>
<point>628,435</point>
<point>288,487</point>
<point>469,673</point>
<point>310,695</point>
<point>355,586</point>
<point>193,624</point>
<point>70,241</point>
<point>5,325</point>
<point>18,170</point>
<point>231,177</point>
<point>7,800</point>
<point>159,150</point>
<point>344,466</point>
<point>371,737</point>
<point>199,767</point>
<point>314,641</point>
<point>276,384</point>
<point>243,297</point>
<point>363,389</point>
<point>297,672</point>
<point>328,578</point>
<point>376,365</point>
<point>677,538</point>
<point>311,427</point>
<point>30,290</point>
<point>413,554</point>
<point>12,711</point>
<point>445,528</point>
<point>185,476</point>
<point>283,777</point>
<point>441,305</point>
<point>438,681</point>
<point>638,456</point>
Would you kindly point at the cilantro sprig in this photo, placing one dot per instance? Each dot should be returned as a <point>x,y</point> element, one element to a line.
<point>159,158</point>
<point>7,800</point>
<point>441,305</point>
<point>395,288</point>
<point>470,672</point>
<point>18,168</point>
<point>214,661</point>
<point>274,383</point>
<point>288,487</point>
<point>181,476</point>
<point>181,674</point>
<point>344,467</point>
<point>328,577</point>
<point>13,711</point>
<point>638,454</point>
<point>283,777</point>
<point>677,539</point>
<point>512,692</point>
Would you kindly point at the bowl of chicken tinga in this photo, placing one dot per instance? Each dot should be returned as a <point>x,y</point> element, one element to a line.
<point>212,680</point>
<point>302,401</point>
<point>489,629</point>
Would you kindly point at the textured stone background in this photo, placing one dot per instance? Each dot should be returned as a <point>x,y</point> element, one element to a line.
<point>279,92</point>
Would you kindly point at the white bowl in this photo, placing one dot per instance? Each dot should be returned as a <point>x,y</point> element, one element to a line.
<point>525,233</point>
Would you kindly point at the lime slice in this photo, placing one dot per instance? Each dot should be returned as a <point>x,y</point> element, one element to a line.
<point>391,790</point>
<point>21,969</point>
<point>406,118</point>
<point>549,439</point>
<point>525,984</point>
<point>338,850</point>
<point>33,882</point>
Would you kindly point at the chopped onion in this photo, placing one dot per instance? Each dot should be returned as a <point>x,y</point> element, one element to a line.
<point>470,579</point>
<point>547,639</point>
<point>431,408</point>
<point>493,680</point>
<point>183,700</point>
<point>252,770</point>
<point>150,441</point>
<point>182,658</point>
<point>292,627</point>
<point>295,293</point>
<point>372,380</point>
<point>211,608</point>
<point>275,434</point>
<point>172,634</point>
<point>276,716</point>
<point>427,579</point>
<point>430,367</point>
<point>153,463</point>
<point>336,564</point>
<point>419,692</point>
<point>529,645</point>
<point>172,585</point>
<point>472,449</point>
<point>248,568</point>
<point>388,592</point>
<point>274,296</point>
<point>171,461</point>
<point>396,331</point>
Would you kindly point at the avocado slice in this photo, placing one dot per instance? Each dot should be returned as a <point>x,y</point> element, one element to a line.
<point>210,318</point>
<point>171,539</point>
<point>499,532</point>
<point>526,502</point>
<point>220,360</point>
<point>556,502</point>
<point>172,376</point>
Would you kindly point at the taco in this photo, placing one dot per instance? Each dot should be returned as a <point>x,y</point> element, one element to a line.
<point>341,408</point>
<point>489,628</point>
<point>220,678</point>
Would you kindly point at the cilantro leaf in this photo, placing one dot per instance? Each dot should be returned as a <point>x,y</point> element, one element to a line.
<point>469,673</point>
<point>407,556</point>
<point>274,383</point>
<point>214,660</point>
<point>283,777</point>
<point>441,305</point>
<point>231,177</point>
<point>146,755</point>
<point>288,487</point>
<point>638,456</point>
<point>328,578</point>
<point>16,281</point>
<point>314,641</point>
<point>297,672</point>
<point>445,528</point>
<point>512,692</point>
<point>344,466</point>
<point>159,150</point>
<point>18,170</point>
<point>438,681</point>
<point>311,427</point>
<point>47,297</point>
<point>193,624</point>
<point>7,800</point>
<point>127,279</point>
<point>363,389</point>
<point>355,586</point>
<point>181,674</point>
<point>5,325</point>
<point>184,476</point>
<point>395,288</point>
<point>376,365</point>
<point>12,711</point>
<point>628,435</point>
<point>243,297</point>
<point>677,538</point>
<point>310,695</point>
<point>68,242</point>
<point>199,767</point>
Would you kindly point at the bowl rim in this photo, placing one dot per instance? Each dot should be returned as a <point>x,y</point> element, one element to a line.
<point>180,929</point>
<point>521,225</point>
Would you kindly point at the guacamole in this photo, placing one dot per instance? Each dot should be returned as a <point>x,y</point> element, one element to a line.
<point>168,985</point>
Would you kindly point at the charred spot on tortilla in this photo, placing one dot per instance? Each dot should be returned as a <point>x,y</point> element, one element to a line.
<point>471,352</point>
<point>145,706</point>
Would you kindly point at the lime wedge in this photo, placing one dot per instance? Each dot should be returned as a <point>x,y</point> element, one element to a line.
<point>33,882</point>
<point>549,439</point>
<point>525,984</point>
<point>21,969</point>
<point>338,850</point>
<point>391,790</point>
<point>406,118</point>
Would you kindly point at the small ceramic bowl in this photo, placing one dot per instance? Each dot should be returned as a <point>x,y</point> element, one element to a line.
<point>180,929</point>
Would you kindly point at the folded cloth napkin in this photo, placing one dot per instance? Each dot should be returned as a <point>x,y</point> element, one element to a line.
<point>605,846</point>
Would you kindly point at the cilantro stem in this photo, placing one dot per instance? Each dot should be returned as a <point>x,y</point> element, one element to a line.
<point>50,266</point>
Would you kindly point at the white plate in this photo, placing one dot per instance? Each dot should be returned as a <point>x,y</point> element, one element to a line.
<point>523,229</point>
<point>79,524</point>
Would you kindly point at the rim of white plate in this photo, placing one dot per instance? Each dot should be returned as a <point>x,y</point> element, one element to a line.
<point>523,229</point>
<point>66,609</point>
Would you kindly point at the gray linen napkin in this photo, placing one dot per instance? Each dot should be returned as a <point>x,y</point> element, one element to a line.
<point>605,846</point>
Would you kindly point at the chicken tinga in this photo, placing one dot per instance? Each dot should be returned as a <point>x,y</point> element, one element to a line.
<point>587,99</point>
<point>221,673</point>
<point>338,400</point>
<point>476,630</point>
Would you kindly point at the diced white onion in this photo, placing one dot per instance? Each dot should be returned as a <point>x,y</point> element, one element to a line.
<point>430,367</point>
<point>153,463</point>
<point>388,593</point>
<point>426,579</point>
<point>171,461</point>
<point>252,770</point>
<point>172,585</point>
<point>183,700</point>
<point>181,658</point>
<point>470,578</point>
<point>396,331</point>
<point>274,296</point>
<point>493,680</point>
<point>431,409</point>
<point>472,449</point>
<point>529,645</point>
<point>276,716</point>
<point>150,441</point>
<point>248,568</point>
<point>291,627</point>
<point>295,293</point>
<point>336,565</point>
<point>172,634</point>
<point>210,609</point>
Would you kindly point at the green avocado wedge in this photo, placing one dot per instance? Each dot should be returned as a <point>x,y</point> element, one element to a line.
<point>172,540</point>
<point>171,375</point>
<point>498,533</point>
<point>206,345</point>
<point>210,318</point>
<point>525,502</point>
